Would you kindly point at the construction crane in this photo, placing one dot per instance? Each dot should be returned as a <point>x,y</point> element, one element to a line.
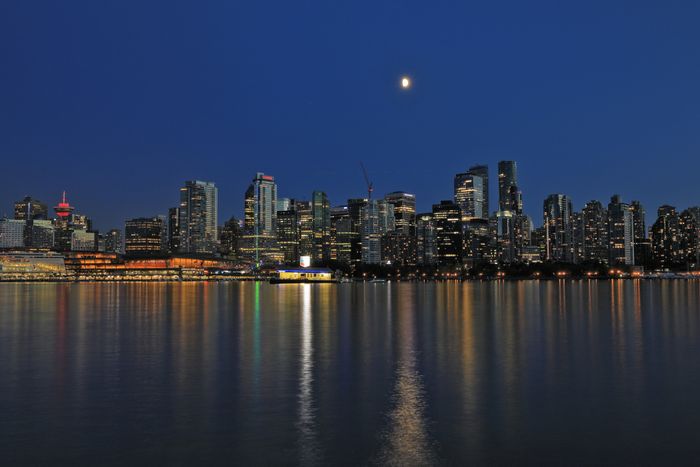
<point>370,186</point>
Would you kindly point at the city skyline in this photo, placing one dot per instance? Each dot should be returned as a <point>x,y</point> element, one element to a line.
<point>588,99</point>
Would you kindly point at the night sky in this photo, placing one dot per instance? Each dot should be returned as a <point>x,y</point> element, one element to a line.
<point>119,102</point>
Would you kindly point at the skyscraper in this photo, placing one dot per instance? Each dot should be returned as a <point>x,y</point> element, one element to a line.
<point>558,229</point>
<point>666,238</point>
<point>447,218</point>
<point>594,220</point>
<point>113,241</point>
<point>341,234</point>
<point>260,220</point>
<point>31,209</point>
<point>230,238</point>
<point>288,233</point>
<point>468,195</point>
<point>377,220</point>
<point>620,232</point>
<point>403,241</point>
<point>198,217</point>
<point>507,178</point>
<point>321,213</point>
<point>483,172</point>
<point>426,253</point>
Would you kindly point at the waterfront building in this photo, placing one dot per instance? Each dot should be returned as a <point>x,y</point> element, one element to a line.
<point>144,237</point>
<point>476,244</point>
<point>558,229</point>
<point>401,245</point>
<point>31,209</point>
<point>689,227</point>
<point>620,232</point>
<point>447,218</point>
<point>260,222</point>
<point>321,227</point>
<point>198,217</point>
<point>305,222</point>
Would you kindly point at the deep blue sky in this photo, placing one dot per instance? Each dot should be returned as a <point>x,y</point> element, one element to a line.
<point>119,102</point>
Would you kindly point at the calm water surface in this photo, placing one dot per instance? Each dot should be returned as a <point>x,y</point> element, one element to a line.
<point>570,372</point>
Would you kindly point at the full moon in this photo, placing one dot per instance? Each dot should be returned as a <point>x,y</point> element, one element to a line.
<point>405,82</point>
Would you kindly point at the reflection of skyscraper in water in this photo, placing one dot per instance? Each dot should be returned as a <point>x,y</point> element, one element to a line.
<point>406,439</point>
<point>308,444</point>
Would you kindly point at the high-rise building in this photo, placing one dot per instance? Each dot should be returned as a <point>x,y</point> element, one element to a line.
<point>31,209</point>
<point>355,206</point>
<point>468,195</point>
<point>39,233</point>
<point>288,233</point>
<point>558,229</point>
<point>229,240</point>
<point>377,220</point>
<point>341,234</point>
<point>594,224</point>
<point>198,217</point>
<point>447,218</point>
<point>305,222</point>
<point>260,223</point>
<point>620,232</point>
<point>426,253</point>
<point>321,215</point>
<point>482,171</point>
<point>666,238</point>
<point>83,240</point>
<point>113,241</point>
<point>507,178</point>
<point>174,230</point>
<point>144,237</point>
<point>401,247</point>
<point>476,244</point>
<point>689,227</point>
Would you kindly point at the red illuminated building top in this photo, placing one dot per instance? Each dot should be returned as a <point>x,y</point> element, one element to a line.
<point>63,209</point>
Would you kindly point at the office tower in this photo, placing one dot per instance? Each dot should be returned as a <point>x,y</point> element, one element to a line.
<point>594,221</point>
<point>404,211</point>
<point>305,222</point>
<point>377,220</point>
<point>557,223</point>
<point>144,237</point>
<point>482,171</point>
<point>259,225</point>
<point>31,209</point>
<point>39,233</point>
<point>229,240</point>
<point>321,227</point>
<point>447,217</point>
<point>12,233</point>
<point>539,241</point>
<point>638,214</point>
<point>505,235</point>
<point>507,178</point>
<point>665,238</point>
<point>174,230</point>
<point>342,234</point>
<point>523,238</point>
<point>689,227</point>
<point>288,233</point>
<point>198,217</point>
<point>355,206</point>
<point>620,232</point>
<point>468,195</point>
<point>426,253</point>
<point>476,243</point>
<point>113,241</point>
<point>401,244</point>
